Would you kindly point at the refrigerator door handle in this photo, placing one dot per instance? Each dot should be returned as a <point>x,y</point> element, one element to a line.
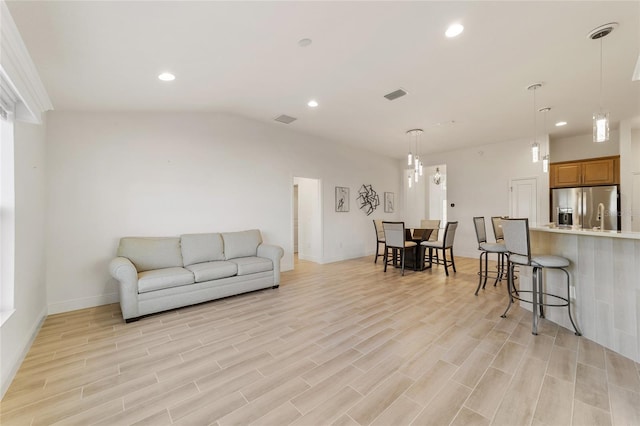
<point>583,207</point>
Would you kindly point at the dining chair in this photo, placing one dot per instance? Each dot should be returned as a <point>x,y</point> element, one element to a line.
<point>444,245</point>
<point>377,225</point>
<point>487,248</point>
<point>517,241</point>
<point>420,235</point>
<point>431,224</point>
<point>394,233</point>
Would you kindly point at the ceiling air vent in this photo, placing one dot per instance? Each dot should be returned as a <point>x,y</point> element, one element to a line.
<point>285,119</point>
<point>396,94</point>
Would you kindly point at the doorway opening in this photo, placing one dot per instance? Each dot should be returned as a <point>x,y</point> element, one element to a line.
<point>427,199</point>
<point>307,219</point>
<point>635,203</point>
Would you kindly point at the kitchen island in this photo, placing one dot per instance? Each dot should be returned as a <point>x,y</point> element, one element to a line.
<point>605,280</point>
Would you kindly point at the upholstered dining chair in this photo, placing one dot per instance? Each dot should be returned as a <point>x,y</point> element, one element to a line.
<point>420,234</point>
<point>377,225</point>
<point>444,245</point>
<point>487,248</point>
<point>394,241</point>
<point>516,239</point>
<point>431,224</point>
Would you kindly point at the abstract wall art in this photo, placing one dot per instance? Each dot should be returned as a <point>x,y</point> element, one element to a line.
<point>368,199</point>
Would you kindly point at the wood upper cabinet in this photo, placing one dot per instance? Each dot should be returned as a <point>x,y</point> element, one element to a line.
<point>565,174</point>
<point>598,171</point>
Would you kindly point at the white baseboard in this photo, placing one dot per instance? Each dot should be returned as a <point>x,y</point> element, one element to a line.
<point>6,381</point>
<point>82,303</point>
<point>332,259</point>
<point>310,258</point>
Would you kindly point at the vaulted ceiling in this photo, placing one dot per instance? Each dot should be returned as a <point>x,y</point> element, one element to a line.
<point>244,58</point>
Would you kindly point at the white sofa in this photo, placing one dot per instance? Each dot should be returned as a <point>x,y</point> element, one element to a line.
<point>158,274</point>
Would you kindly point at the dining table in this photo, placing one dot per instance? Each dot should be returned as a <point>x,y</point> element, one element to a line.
<point>415,258</point>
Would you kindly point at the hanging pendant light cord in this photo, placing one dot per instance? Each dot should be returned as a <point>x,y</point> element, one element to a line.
<point>534,115</point>
<point>600,101</point>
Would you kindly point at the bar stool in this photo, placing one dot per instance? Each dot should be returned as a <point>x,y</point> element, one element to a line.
<point>496,223</point>
<point>485,249</point>
<point>516,238</point>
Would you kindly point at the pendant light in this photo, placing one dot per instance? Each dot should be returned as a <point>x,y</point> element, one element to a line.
<point>535,146</point>
<point>437,177</point>
<point>601,118</point>
<point>414,160</point>
<point>545,158</point>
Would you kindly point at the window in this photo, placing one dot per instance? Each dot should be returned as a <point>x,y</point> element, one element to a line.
<point>7,212</point>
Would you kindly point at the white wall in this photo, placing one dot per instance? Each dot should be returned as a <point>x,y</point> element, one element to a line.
<point>116,174</point>
<point>629,165</point>
<point>478,184</point>
<point>30,305</point>
<point>582,146</point>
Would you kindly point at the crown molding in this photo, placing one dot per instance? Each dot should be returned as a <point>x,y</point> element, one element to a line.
<point>19,70</point>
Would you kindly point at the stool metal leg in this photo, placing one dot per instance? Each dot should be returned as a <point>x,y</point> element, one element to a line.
<point>480,273</point>
<point>540,292</point>
<point>499,270</point>
<point>486,268</point>
<point>509,284</point>
<point>569,302</point>
<point>534,301</point>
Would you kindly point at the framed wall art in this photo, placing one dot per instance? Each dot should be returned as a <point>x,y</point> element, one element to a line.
<point>342,199</point>
<point>389,202</point>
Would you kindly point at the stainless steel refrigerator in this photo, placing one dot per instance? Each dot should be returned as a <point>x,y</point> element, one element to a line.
<point>587,208</point>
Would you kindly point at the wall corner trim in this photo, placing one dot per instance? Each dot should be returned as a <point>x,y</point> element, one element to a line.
<point>18,68</point>
<point>6,381</point>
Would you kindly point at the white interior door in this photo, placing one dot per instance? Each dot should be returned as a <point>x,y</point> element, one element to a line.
<point>635,203</point>
<point>295,218</point>
<point>524,199</point>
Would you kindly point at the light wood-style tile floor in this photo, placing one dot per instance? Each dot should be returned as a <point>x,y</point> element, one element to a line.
<point>336,344</point>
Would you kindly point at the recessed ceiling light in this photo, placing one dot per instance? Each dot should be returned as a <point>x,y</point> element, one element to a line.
<point>561,123</point>
<point>167,76</point>
<point>312,103</point>
<point>304,42</point>
<point>454,30</point>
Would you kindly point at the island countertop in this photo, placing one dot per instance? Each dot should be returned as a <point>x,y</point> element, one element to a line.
<point>605,281</point>
<point>589,232</point>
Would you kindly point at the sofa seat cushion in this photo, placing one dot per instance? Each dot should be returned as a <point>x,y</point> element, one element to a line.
<point>208,271</point>
<point>252,265</point>
<point>159,279</point>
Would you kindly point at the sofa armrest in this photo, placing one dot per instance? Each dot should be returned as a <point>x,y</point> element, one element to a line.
<point>123,270</point>
<point>274,253</point>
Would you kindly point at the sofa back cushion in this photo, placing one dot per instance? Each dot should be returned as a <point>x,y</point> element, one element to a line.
<point>200,248</point>
<point>241,244</point>
<point>148,253</point>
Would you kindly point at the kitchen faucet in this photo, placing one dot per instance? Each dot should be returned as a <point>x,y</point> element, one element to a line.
<point>601,215</point>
